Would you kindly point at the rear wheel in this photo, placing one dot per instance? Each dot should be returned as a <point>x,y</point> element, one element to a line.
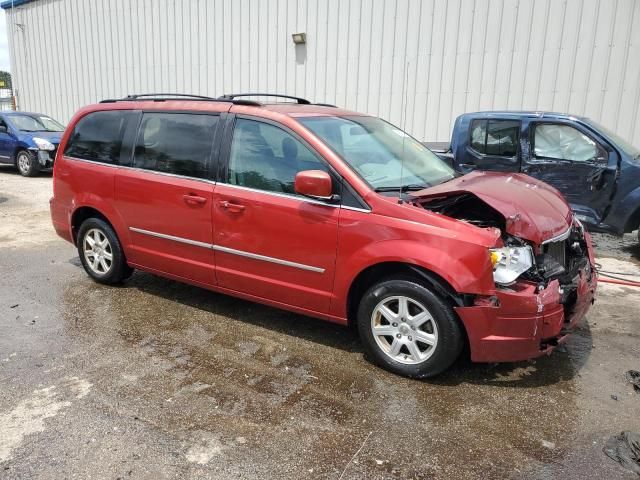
<point>407,329</point>
<point>27,164</point>
<point>101,253</point>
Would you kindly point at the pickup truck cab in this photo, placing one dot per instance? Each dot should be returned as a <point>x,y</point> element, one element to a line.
<point>597,171</point>
<point>329,213</point>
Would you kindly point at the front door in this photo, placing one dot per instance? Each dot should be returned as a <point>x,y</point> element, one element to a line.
<point>572,161</point>
<point>270,242</point>
<point>7,143</point>
<point>165,200</point>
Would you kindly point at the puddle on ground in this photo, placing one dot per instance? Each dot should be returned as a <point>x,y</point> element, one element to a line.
<point>189,359</point>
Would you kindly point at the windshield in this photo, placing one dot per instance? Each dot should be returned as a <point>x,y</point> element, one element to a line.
<point>617,139</point>
<point>385,156</point>
<point>35,123</point>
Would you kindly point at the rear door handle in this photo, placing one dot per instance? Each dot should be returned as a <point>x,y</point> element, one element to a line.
<point>193,199</point>
<point>232,207</point>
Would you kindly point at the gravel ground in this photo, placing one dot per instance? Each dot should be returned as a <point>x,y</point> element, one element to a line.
<point>156,379</point>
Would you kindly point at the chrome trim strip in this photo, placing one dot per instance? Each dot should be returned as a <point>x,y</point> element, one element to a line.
<point>356,209</point>
<point>213,182</point>
<point>137,169</point>
<point>280,194</point>
<point>232,251</point>
<point>558,238</point>
<point>171,237</point>
<point>255,256</point>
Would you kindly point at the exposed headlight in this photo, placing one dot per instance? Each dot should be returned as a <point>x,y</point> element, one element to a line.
<point>43,144</point>
<point>510,262</point>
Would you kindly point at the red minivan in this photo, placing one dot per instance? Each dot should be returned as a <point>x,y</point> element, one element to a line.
<point>329,213</point>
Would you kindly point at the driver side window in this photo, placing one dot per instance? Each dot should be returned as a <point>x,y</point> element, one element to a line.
<point>266,157</point>
<point>563,142</point>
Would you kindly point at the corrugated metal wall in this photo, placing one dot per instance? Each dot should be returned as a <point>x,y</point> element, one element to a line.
<point>416,63</point>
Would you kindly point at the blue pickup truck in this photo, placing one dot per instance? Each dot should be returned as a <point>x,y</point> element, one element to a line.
<point>596,170</point>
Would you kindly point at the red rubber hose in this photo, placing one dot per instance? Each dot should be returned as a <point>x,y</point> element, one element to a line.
<point>627,283</point>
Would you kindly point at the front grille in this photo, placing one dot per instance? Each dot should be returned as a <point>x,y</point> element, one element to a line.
<point>558,251</point>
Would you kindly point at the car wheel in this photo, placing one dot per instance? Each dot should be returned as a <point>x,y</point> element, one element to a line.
<point>101,253</point>
<point>27,164</point>
<point>407,329</point>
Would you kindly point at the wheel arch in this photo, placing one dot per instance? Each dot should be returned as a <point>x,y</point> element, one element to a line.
<point>81,214</point>
<point>633,221</point>
<point>374,273</point>
<point>17,149</point>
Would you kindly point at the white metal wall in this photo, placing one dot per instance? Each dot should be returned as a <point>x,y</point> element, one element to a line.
<point>417,63</point>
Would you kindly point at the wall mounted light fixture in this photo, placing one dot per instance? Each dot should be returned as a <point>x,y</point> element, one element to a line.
<point>299,38</point>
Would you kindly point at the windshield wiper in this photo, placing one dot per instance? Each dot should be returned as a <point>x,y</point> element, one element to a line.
<point>404,188</point>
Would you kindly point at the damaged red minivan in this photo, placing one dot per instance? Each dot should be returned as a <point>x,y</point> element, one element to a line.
<point>329,213</point>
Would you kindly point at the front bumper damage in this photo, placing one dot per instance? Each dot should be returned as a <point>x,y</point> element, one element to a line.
<point>45,157</point>
<point>527,320</point>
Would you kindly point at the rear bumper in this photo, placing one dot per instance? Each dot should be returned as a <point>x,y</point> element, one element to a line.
<point>524,324</point>
<point>60,220</point>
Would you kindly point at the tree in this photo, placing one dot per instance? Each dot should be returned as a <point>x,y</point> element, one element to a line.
<point>5,80</point>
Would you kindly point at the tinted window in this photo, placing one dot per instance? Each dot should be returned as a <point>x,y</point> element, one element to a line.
<point>98,136</point>
<point>479,135</point>
<point>495,137</point>
<point>563,142</point>
<point>267,157</point>
<point>178,143</point>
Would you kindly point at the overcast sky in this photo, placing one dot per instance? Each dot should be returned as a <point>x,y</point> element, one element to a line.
<point>4,45</point>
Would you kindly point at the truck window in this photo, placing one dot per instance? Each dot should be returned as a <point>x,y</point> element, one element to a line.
<point>563,142</point>
<point>495,137</point>
<point>98,136</point>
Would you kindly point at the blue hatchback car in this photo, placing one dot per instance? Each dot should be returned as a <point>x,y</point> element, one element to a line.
<point>29,141</point>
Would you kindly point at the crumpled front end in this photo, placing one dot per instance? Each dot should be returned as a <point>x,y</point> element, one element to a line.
<point>534,314</point>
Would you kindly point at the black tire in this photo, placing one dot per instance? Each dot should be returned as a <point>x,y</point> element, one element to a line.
<point>118,269</point>
<point>450,340</point>
<point>27,163</point>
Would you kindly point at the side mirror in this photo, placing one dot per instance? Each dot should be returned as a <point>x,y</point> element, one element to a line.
<point>314,184</point>
<point>3,129</point>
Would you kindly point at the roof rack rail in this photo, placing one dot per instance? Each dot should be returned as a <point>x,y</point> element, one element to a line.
<point>326,105</point>
<point>232,96</point>
<point>162,97</point>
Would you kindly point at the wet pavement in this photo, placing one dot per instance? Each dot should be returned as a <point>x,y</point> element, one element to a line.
<point>155,379</point>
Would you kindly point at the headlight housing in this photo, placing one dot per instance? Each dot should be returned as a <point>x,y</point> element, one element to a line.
<point>510,262</point>
<point>43,144</point>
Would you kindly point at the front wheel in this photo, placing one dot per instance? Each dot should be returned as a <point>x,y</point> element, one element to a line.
<point>27,164</point>
<point>101,253</point>
<point>409,330</point>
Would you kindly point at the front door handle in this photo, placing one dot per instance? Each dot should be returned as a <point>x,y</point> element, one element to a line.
<point>193,199</point>
<point>232,207</point>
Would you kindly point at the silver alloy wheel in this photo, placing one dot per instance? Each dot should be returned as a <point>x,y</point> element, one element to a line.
<point>97,251</point>
<point>404,330</point>
<point>24,163</point>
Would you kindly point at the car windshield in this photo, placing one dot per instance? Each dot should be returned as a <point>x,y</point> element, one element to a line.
<point>385,156</point>
<point>35,123</point>
<point>617,139</point>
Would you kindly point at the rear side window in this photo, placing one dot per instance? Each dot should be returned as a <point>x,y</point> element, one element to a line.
<point>177,143</point>
<point>98,136</point>
<point>495,137</point>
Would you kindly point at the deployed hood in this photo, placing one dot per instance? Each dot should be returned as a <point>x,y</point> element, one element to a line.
<point>530,209</point>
